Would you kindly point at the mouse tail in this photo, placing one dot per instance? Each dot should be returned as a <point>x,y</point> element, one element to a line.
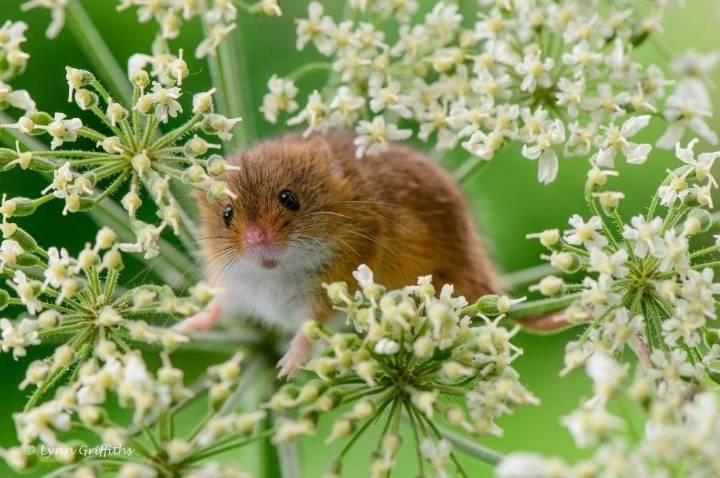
<point>551,323</point>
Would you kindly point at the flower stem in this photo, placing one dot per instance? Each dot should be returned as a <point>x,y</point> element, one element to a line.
<point>230,76</point>
<point>93,45</point>
<point>516,279</point>
<point>488,455</point>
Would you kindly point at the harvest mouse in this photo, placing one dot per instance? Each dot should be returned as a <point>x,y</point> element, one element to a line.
<point>308,212</point>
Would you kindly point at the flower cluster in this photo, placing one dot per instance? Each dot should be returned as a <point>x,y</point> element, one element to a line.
<point>154,447</point>
<point>556,77</point>
<point>412,352</point>
<point>681,429</point>
<point>13,62</point>
<point>134,152</point>
<point>77,302</point>
<point>644,284</point>
<point>219,16</point>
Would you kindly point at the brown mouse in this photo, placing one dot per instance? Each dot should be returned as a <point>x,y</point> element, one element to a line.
<point>308,212</point>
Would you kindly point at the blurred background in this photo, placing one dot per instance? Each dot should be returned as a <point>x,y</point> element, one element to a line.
<point>506,198</point>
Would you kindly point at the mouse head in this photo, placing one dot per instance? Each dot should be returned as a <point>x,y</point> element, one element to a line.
<point>283,214</point>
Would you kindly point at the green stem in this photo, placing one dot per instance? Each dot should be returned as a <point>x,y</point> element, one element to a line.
<point>517,279</point>
<point>470,169</point>
<point>230,75</point>
<point>482,453</point>
<point>93,45</point>
<point>531,308</point>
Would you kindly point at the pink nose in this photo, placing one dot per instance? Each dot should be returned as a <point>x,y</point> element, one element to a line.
<point>256,237</point>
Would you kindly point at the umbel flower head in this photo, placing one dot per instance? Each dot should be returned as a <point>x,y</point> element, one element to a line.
<point>132,154</point>
<point>219,16</point>
<point>13,61</point>
<point>144,443</point>
<point>556,77</point>
<point>77,301</point>
<point>413,353</point>
<point>680,424</point>
<point>645,284</point>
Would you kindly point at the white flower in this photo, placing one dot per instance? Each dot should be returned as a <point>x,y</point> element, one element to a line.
<point>165,100</point>
<point>614,265</point>
<point>57,10</point>
<point>62,129</point>
<point>280,97</point>
<point>644,235</point>
<point>585,233</point>
<point>314,114</point>
<point>702,165</point>
<point>209,45</point>
<point>16,338</point>
<point>387,347</point>
<point>313,27</point>
<point>345,107</point>
<point>688,107</point>
<point>9,251</point>
<point>535,71</point>
<point>18,99</point>
<point>373,136</point>
<point>694,63</point>
<point>551,134</point>
<point>615,140</point>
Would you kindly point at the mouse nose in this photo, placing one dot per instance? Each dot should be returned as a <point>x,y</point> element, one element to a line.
<point>256,236</point>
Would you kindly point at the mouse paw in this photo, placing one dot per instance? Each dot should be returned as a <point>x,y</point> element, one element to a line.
<point>298,353</point>
<point>204,320</point>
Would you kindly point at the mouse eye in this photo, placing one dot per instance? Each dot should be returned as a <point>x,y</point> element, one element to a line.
<point>288,200</point>
<point>227,215</point>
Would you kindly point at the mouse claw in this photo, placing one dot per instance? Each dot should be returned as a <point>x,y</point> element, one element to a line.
<point>298,353</point>
<point>204,320</point>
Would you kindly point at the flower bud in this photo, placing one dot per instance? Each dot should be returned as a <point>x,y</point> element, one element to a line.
<point>112,260</point>
<point>141,163</point>
<point>116,113</point>
<point>49,318</point>
<point>362,410</point>
<point>698,220</point>
<point>196,146</point>
<point>311,330</point>
<point>86,99</point>
<point>342,428</point>
<point>63,356</point>
<point>337,292</point>
<point>423,347</point>
<point>609,200</point>
<point>111,145</point>
<point>105,238</point>
<point>203,102</point>
<point>549,238</point>
<point>194,174</point>
<point>391,444</point>
<point>387,347</point>
<point>217,165</point>
<point>549,286</point>
<point>145,104</point>
<point>131,202</point>
<point>565,261</point>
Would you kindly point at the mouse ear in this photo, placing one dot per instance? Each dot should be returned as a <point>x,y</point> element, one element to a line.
<point>321,143</point>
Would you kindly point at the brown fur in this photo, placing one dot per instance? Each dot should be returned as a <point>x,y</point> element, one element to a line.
<point>399,213</point>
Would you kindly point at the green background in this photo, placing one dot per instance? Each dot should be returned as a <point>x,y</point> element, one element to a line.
<point>507,200</point>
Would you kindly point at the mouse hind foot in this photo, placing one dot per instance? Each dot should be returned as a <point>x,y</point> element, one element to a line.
<point>298,353</point>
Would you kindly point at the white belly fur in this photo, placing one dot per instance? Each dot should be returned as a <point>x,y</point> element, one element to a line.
<point>281,296</point>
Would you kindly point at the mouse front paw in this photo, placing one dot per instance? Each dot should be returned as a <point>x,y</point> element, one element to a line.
<point>298,353</point>
<point>204,320</point>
